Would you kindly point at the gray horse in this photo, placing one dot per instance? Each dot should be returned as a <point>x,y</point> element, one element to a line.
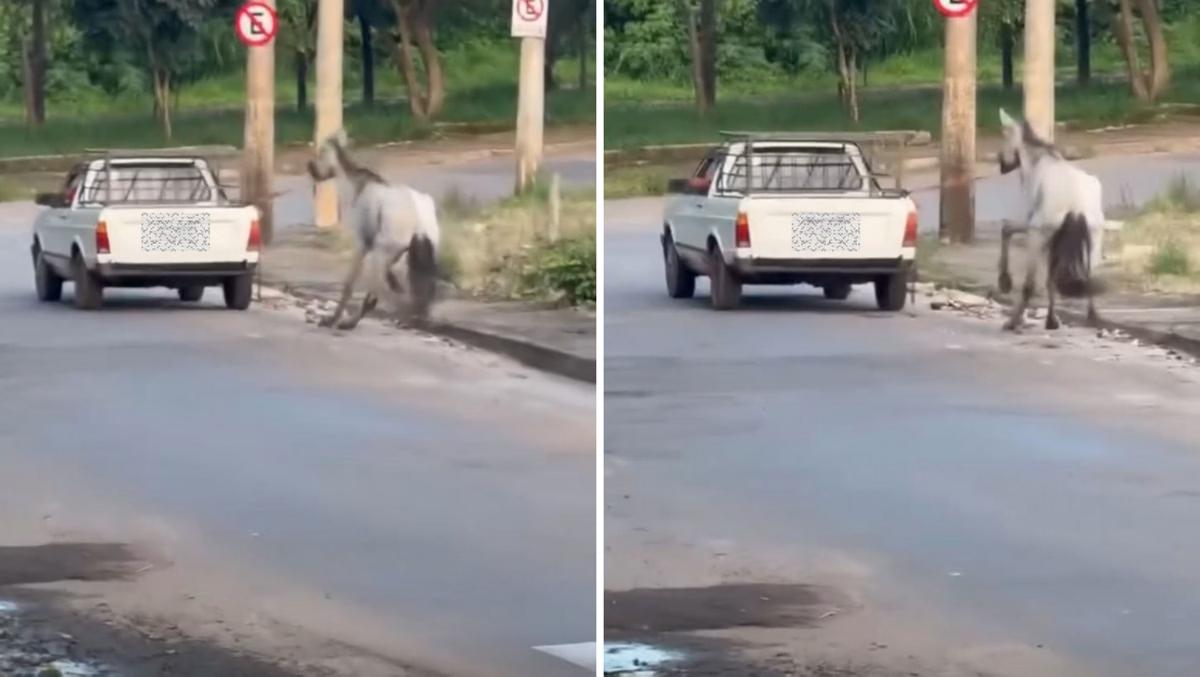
<point>395,222</point>
<point>1064,221</point>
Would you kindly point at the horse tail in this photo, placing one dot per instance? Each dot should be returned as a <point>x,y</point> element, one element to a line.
<point>422,273</point>
<point>1070,254</point>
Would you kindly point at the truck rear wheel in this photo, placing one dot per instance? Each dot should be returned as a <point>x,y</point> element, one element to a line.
<point>191,293</point>
<point>891,291</point>
<point>49,285</point>
<point>89,292</point>
<point>726,287</point>
<point>681,282</point>
<point>837,291</point>
<point>238,291</point>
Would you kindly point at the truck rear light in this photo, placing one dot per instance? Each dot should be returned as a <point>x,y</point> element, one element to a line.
<point>741,233</point>
<point>102,238</point>
<point>910,230</point>
<point>255,242</point>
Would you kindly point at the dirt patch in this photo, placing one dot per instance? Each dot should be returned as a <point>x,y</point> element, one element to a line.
<point>648,611</point>
<point>20,565</point>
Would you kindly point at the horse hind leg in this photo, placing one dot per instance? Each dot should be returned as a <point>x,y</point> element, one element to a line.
<point>1052,322</point>
<point>1005,283</point>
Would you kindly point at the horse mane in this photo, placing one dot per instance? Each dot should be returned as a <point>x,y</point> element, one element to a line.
<point>1037,143</point>
<point>357,173</point>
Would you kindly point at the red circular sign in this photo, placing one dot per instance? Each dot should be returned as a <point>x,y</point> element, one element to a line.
<point>955,8</point>
<point>256,24</point>
<point>530,10</point>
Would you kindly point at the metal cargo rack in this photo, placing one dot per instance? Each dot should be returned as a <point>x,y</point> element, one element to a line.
<point>210,155</point>
<point>886,148</point>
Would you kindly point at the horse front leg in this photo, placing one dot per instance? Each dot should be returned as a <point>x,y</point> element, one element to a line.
<point>370,301</point>
<point>347,289</point>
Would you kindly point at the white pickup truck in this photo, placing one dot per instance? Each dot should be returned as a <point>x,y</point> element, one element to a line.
<point>783,210</point>
<point>144,222</point>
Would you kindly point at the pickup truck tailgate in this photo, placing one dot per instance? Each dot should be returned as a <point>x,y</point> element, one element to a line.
<point>170,235</point>
<point>826,228</point>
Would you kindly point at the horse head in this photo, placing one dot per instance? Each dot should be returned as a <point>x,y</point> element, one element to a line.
<point>328,157</point>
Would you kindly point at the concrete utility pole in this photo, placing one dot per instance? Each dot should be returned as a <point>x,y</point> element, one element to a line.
<point>258,148</point>
<point>957,219</point>
<point>329,100</point>
<point>531,110</point>
<point>529,21</point>
<point>1039,66</point>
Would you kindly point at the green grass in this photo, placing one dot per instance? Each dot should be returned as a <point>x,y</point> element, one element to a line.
<point>630,124</point>
<point>481,84</point>
<point>1169,258</point>
<point>10,192</point>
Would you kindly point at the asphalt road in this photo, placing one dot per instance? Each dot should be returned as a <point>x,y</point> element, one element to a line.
<point>976,503</point>
<point>441,497</point>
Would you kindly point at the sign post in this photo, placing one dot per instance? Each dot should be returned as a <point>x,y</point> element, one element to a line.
<point>256,25</point>
<point>529,24</point>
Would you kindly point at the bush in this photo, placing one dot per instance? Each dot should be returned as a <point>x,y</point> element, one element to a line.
<point>1169,258</point>
<point>563,270</point>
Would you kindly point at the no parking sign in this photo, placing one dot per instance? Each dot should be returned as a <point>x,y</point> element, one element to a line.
<point>529,18</point>
<point>953,9</point>
<point>256,24</point>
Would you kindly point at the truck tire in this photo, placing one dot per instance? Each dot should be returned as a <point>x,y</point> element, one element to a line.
<point>238,291</point>
<point>47,282</point>
<point>89,291</point>
<point>891,291</point>
<point>726,287</point>
<point>838,291</point>
<point>681,282</point>
<point>191,293</point>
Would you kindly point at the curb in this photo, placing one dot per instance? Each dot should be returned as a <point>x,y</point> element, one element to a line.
<point>1164,339</point>
<point>530,353</point>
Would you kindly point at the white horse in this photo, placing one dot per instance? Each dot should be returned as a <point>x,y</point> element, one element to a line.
<point>392,221</point>
<point>1064,221</point>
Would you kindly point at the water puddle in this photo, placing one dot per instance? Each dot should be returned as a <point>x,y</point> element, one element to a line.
<point>635,660</point>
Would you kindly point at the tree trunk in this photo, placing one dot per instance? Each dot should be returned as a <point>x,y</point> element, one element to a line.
<point>845,67</point>
<point>957,212</point>
<point>852,85</point>
<point>368,58</point>
<point>689,19</point>
<point>1133,66</point>
<point>1160,69</point>
<point>301,80</point>
<point>35,67</point>
<point>1007,43</point>
<point>162,99</point>
<point>404,55</point>
<point>582,26</point>
<point>549,84</point>
<point>1083,42</point>
<point>708,50</point>
<point>435,78</point>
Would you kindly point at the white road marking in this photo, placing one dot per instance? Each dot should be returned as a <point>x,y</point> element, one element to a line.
<point>582,654</point>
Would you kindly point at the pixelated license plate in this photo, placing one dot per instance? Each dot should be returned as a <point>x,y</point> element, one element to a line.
<point>817,232</point>
<point>176,232</point>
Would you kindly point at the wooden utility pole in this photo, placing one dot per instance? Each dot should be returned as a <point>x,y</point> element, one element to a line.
<point>329,101</point>
<point>258,148</point>
<point>957,220</point>
<point>1039,66</point>
<point>529,23</point>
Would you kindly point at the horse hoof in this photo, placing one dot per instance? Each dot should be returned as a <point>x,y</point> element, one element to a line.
<point>347,325</point>
<point>1052,323</point>
<point>1013,326</point>
<point>326,322</point>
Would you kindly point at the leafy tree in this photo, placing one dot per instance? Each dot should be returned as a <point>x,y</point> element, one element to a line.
<point>164,33</point>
